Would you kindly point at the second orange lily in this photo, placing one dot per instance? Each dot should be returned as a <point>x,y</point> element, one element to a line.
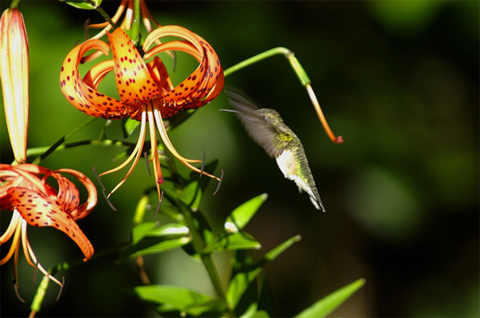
<point>146,90</point>
<point>26,191</point>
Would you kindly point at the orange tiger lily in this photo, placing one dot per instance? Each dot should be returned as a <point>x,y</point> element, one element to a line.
<point>146,90</point>
<point>25,191</point>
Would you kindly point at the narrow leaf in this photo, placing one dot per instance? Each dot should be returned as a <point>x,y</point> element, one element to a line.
<point>240,217</point>
<point>129,126</point>
<point>329,303</point>
<point>161,246</point>
<point>84,4</point>
<point>147,238</point>
<point>237,241</point>
<point>173,298</point>
<point>141,230</point>
<point>192,195</point>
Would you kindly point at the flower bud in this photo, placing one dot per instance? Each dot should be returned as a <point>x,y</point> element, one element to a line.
<point>14,77</point>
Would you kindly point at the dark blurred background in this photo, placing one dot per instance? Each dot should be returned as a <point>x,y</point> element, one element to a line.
<point>398,79</point>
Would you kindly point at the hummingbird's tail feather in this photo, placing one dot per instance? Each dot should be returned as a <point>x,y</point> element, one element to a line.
<point>317,203</point>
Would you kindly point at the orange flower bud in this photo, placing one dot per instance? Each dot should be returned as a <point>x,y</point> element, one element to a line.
<point>14,77</point>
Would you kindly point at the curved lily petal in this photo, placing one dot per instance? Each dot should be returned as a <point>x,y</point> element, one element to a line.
<point>84,97</point>
<point>159,73</point>
<point>68,196</point>
<point>96,74</point>
<point>39,210</point>
<point>84,209</point>
<point>205,83</point>
<point>134,83</point>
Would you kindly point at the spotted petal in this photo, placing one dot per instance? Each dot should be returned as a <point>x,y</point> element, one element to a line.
<point>205,83</point>
<point>84,97</point>
<point>39,210</point>
<point>84,209</point>
<point>134,83</point>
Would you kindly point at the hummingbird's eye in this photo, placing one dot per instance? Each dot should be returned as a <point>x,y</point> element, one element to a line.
<point>263,117</point>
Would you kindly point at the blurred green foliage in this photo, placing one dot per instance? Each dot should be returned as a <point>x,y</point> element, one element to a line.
<point>398,79</point>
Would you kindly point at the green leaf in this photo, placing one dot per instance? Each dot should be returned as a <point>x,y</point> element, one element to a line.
<point>149,229</point>
<point>192,195</point>
<point>245,273</point>
<point>147,238</point>
<point>162,246</point>
<point>329,303</point>
<point>240,217</point>
<point>260,314</point>
<point>237,241</point>
<point>129,126</point>
<point>84,4</point>
<point>173,298</point>
<point>141,230</point>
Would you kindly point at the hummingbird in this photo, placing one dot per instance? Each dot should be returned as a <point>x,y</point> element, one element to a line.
<point>267,129</point>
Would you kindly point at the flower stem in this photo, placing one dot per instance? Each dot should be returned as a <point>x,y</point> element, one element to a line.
<point>135,30</point>
<point>105,15</point>
<point>14,4</point>
<point>63,139</point>
<point>302,76</point>
<point>206,257</point>
<point>297,67</point>
<point>103,142</point>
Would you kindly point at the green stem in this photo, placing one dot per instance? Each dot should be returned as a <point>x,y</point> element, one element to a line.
<point>135,30</point>
<point>14,4</point>
<point>102,142</point>
<point>39,295</point>
<point>105,15</point>
<point>206,257</point>
<point>297,67</point>
<point>302,76</point>
<point>63,139</point>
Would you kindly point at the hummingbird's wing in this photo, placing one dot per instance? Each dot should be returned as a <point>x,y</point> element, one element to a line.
<point>255,126</point>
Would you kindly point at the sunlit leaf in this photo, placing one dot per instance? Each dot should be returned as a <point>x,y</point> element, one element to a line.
<point>240,217</point>
<point>158,246</point>
<point>237,241</point>
<point>168,229</point>
<point>244,273</point>
<point>141,230</point>
<point>149,229</point>
<point>329,303</point>
<point>147,238</point>
<point>84,4</point>
<point>173,298</point>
